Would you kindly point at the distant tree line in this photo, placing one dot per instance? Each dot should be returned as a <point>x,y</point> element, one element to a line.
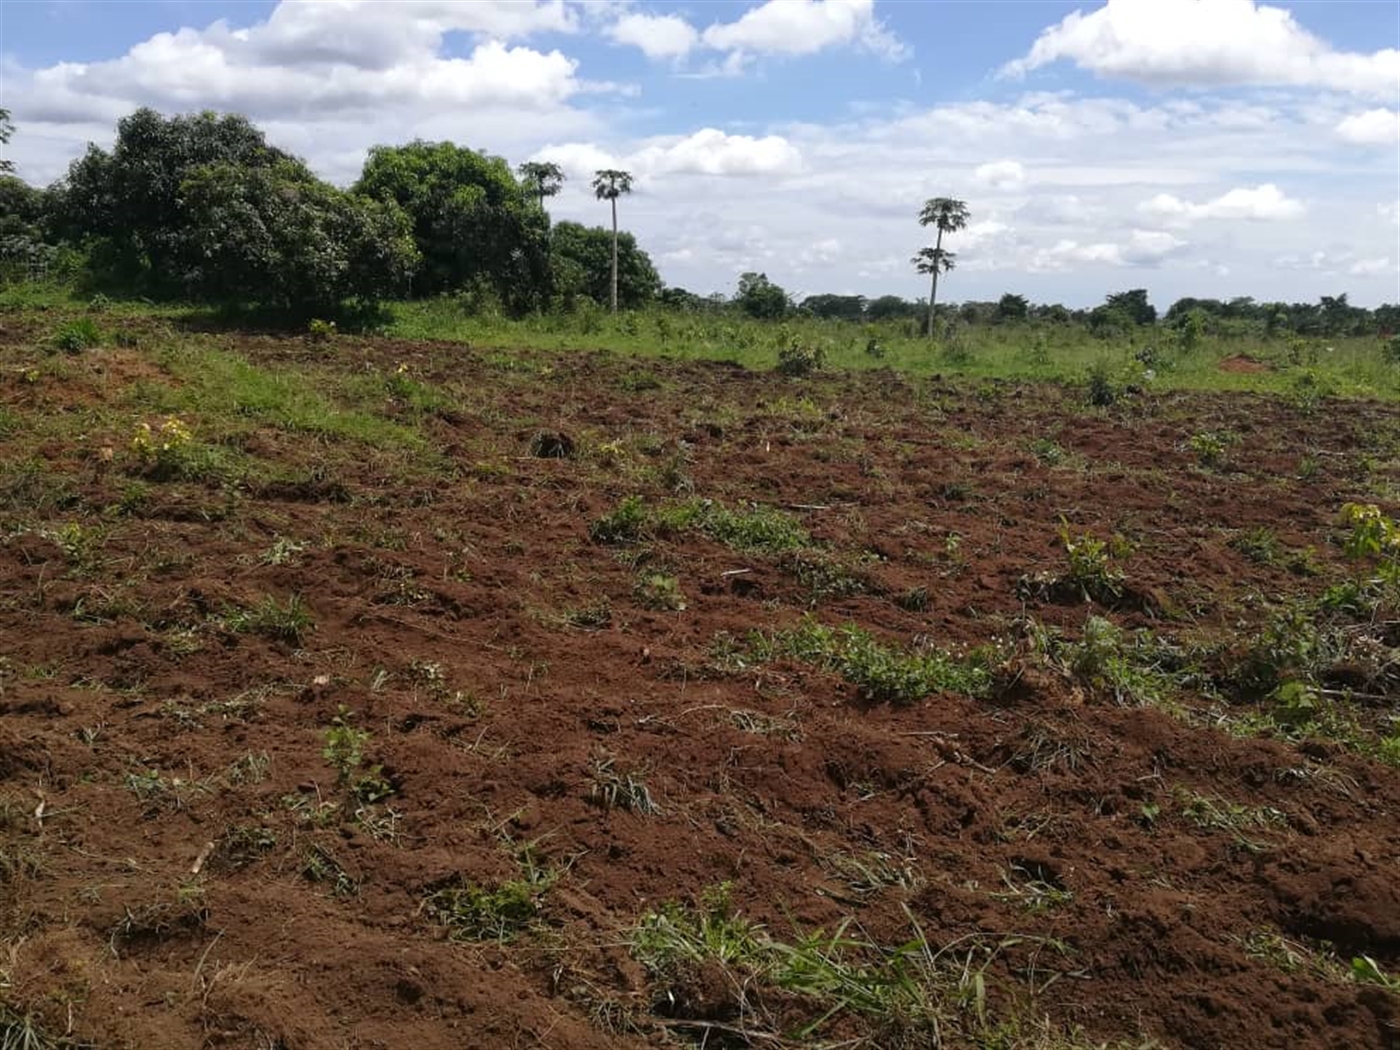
<point>201,207</point>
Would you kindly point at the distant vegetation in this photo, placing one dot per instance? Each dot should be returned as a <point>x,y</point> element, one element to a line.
<point>199,210</point>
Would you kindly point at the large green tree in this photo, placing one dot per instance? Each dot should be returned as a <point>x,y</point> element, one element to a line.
<point>582,260</point>
<point>947,215</point>
<point>473,222</point>
<point>608,185</point>
<point>281,237</point>
<point>541,179</point>
<point>761,298</point>
<point>130,199</point>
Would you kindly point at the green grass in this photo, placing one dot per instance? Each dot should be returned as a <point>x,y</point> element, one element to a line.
<point>879,673</point>
<point>1353,366</point>
<point>227,387</point>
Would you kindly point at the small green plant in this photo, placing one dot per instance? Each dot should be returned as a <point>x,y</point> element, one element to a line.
<point>798,361</point>
<point>78,335</point>
<point>345,745</point>
<point>281,621</point>
<point>319,331</point>
<point>1365,970</point>
<point>660,591</point>
<point>1091,567</point>
<point>1101,391</point>
<point>474,912</point>
<point>1208,448</point>
<point>1259,545</point>
<point>626,524</point>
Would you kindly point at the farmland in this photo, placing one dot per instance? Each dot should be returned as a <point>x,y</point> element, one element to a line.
<point>364,691</point>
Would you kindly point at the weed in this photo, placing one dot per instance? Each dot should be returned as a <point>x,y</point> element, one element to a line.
<point>78,335</point>
<point>169,452</point>
<point>799,361</point>
<point>473,912</point>
<point>1101,390</point>
<point>241,845</point>
<point>1091,568</point>
<point>659,591</point>
<point>318,864</point>
<point>1047,452</point>
<point>612,789</point>
<point>1258,545</point>
<point>284,622</point>
<point>880,674</point>
<point>593,617</point>
<point>1365,970</point>
<point>1208,448</point>
<point>626,524</point>
<point>282,552</point>
<point>319,331</point>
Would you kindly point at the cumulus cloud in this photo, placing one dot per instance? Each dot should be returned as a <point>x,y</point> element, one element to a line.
<point>1001,175</point>
<point>658,36</point>
<point>1266,203</point>
<point>1205,43</point>
<point>1144,248</point>
<point>1390,211</point>
<point>1375,127</point>
<point>1370,267</point>
<point>319,58</point>
<point>804,27</point>
<point>708,151</point>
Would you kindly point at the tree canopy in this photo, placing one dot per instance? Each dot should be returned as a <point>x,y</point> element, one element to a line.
<point>582,264</point>
<point>473,223</point>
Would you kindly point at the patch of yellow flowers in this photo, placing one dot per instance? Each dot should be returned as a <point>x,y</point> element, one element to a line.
<point>162,443</point>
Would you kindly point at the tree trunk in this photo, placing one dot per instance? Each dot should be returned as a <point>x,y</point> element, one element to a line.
<point>614,257</point>
<point>933,291</point>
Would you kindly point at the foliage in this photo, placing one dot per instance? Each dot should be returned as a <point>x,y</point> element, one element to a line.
<point>470,219</point>
<point>169,452</point>
<point>799,361</point>
<point>541,179</point>
<point>1208,447</point>
<point>279,237</point>
<point>760,298</point>
<point>286,622</point>
<point>581,261</point>
<point>78,335</point>
<point>7,129</point>
<point>1133,305</point>
<point>475,912</point>
<point>1091,567</point>
<point>1101,389</point>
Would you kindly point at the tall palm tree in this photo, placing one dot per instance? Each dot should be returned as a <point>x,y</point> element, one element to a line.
<point>608,185</point>
<point>542,178</point>
<point>949,216</point>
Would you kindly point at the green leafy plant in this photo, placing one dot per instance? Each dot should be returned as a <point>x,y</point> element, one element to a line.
<point>799,361</point>
<point>1208,448</point>
<point>658,590</point>
<point>1091,567</point>
<point>1101,390</point>
<point>78,335</point>
<point>282,621</point>
<point>475,912</point>
<point>319,331</point>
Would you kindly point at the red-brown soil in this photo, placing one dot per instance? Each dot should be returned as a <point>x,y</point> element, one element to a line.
<point>495,653</point>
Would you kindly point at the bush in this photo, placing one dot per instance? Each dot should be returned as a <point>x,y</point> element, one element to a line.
<point>799,361</point>
<point>77,336</point>
<point>1101,391</point>
<point>1391,350</point>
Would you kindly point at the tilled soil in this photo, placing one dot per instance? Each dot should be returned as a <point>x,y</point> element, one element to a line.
<point>183,868</point>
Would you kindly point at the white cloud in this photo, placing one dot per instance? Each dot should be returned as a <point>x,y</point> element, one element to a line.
<point>1001,175</point>
<point>1375,127</point>
<point>1144,248</point>
<point>712,152</point>
<point>804,27</point>
<point>1205,43</point>
<point>1370,267</point>
<point>658,36</point>
<point>708,151</point>
<point>1390,211</point>
<point>1264,203</point>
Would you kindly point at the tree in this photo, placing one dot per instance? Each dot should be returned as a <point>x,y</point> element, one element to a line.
<point>1133,305</point>
<point>608,185</point>
<point>283,238</point>
<point>473,223</point>
<point>949,216</point>
<point>933,261</point>
<point>7,128</point>
<point>761,298</point>
<point>541,178</point>
<point>1013,307</point>
<point>838,307</point>
<point>890,307</point>
<point>581,260</point>
<point>131,199</point>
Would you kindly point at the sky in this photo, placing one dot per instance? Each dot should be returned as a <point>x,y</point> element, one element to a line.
<point>1210,148</point>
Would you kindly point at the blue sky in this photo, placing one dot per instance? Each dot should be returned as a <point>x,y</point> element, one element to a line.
<point>1192,147</point>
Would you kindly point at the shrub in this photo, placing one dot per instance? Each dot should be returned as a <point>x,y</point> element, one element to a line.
<point>78,335</point>
<point>798,361</point>
<point>1101,391</point>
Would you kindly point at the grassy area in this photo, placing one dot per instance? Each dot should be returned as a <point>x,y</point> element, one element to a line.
<point>1302,368</point>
